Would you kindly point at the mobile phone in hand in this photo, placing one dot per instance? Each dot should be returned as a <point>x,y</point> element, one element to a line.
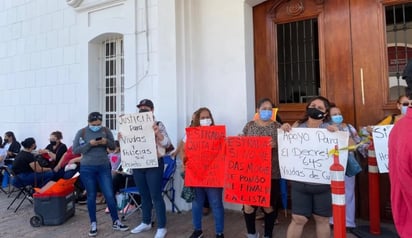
<point>98,138</point>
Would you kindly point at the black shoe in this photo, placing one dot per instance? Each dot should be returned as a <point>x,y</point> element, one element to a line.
<point>220,235</point>
<point>118,226</point>
<point>82,199</point>
<point>197,234</point>
<point>93,229</point>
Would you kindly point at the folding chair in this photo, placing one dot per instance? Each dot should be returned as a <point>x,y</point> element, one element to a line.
<point>130,192</point>
<point>168,189</point>
<point>23,190</point>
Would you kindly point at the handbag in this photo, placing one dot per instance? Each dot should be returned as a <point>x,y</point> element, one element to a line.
<point>188,193</point>
<point>352,166</point>
<point>43,161</point>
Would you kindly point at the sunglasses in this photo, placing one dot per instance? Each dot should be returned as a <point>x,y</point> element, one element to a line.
<point>406,104</point>
<point>95,118</point>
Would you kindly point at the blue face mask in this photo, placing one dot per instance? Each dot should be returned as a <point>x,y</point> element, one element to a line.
<point>95,128</point>
<point>265,115</point>
<point>337,119</point>
<point>404,109</point>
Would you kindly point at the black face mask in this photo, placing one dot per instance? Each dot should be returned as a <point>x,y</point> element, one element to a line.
<point>315,113</point>
<point>53,142</point>
<point>6,141</point>
<point>144,110</point>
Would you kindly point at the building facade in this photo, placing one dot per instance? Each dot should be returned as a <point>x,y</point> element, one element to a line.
<point>60,60</point>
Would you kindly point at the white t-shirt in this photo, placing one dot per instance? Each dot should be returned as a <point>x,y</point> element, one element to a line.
<point>3,153</point>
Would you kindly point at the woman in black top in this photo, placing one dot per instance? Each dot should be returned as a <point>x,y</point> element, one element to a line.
<point>13,147</point>
<point>28,171</point>
<point>55,149</point>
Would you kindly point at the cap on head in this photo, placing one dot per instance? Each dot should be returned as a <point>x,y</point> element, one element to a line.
<point>146,102</point>
<point>94,116</point>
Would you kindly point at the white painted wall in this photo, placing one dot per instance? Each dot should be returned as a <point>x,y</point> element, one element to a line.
<point>183,55</point>
<point>38,69</point>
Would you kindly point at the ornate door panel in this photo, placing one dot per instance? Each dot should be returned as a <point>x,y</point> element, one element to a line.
<point>352,64</point>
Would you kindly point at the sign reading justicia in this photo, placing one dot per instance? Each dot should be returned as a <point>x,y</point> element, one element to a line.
<point>137,141</point>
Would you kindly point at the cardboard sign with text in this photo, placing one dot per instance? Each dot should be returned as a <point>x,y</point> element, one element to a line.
<point>304,153</point>
<point>138,144</point>
<point>380,136</point>
<point>248,170</point>
<point>205,150</point>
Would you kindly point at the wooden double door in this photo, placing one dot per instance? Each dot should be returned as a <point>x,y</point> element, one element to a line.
<point>352,62</point>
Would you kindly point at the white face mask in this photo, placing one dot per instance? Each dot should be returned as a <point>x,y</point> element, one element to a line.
<point>206,122</point>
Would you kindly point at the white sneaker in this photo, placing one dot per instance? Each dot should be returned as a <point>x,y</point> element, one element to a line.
<point>140,228</point>
<point>256,235</point>
<point>161,233</point>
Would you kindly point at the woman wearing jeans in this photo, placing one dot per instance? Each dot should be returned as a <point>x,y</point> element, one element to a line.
<point>149,180</point>
<point>92,142</point>
<point>203,117</point>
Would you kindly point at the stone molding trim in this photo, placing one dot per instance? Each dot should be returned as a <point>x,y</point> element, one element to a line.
<point>295,8</point>
<point>292,7</point>
<point>82,5</point>
<point>74,3</point>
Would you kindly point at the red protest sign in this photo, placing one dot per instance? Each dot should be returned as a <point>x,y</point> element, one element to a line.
<point>248,170</point>
<point>204,149</point>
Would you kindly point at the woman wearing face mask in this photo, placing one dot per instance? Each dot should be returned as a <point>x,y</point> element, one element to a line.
<point>56,148</point>
<point>149,180</point>
<point>203,117</point>
<point>95,169</point>
<point>354,138</point>
<point>264,126</point>
<point>307,198</point>
<point>402,104</point>
<point>28,171</point>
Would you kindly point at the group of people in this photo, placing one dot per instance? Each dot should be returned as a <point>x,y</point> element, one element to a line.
<point>308,199</point>
<point>92,143</point>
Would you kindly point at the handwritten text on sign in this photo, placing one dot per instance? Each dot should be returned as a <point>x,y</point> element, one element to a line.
<point>304,153</point>
<point>380,140</point>
<point>205,156</point>
<point>138,144</point>
<point>248,170</point>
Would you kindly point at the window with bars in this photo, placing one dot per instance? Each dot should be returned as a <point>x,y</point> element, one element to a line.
<point>298,61</point>
<point>113,81</point>
<point>399,47</point>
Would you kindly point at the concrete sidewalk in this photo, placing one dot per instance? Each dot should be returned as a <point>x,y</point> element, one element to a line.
<point>178,225</point>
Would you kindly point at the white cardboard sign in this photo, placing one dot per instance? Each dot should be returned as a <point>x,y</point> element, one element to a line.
<point>304,153</point>
<point>137,142</point>
<point>380,136</point>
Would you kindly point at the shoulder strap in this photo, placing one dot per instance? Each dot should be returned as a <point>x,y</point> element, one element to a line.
<point>350,131</point>
<point>393,116</point>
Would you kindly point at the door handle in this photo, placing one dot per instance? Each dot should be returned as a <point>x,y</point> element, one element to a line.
<point>362,86</point>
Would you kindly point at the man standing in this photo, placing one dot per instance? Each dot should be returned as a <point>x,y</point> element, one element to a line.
<point>400,173</point>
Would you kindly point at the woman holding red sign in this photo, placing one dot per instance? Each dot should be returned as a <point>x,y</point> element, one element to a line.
<point>265,126</point>
<point>203,117</point>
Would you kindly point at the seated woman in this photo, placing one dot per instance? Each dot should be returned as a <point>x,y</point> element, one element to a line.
<point>68,164</point>
<point>55,149</point>
<point>67,167</point>
<point>27,170</point>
